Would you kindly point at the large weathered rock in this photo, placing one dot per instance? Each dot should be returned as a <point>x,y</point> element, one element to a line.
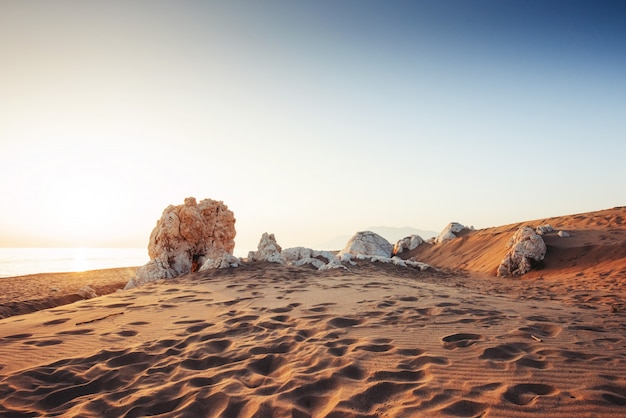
<point>267,250</point>
<point>525,247</point>
<point>185,237</point>
<point>450,232</point>
<point>367,243</point>
<point>408,243</point>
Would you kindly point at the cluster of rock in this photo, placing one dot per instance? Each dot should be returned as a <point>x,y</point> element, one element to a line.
<point>269,250</point>
<point>187,237</point>
<point>525,248</point>
<point>369,246</point>
<point>199,236</point>
<point>546,229</point>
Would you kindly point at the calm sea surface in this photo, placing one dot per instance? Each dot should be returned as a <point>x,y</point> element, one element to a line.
<point>21,261</point>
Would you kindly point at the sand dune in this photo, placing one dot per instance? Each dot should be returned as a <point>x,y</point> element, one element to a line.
<point>378,340</point>
<point>597,242</point>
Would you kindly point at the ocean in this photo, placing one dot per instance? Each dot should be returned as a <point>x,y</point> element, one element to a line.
<point>22,261</point>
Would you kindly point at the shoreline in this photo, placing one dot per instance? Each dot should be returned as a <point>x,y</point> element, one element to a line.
<point>33,292</point>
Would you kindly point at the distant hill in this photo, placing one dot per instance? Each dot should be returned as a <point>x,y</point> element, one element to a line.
<point>390,233</point>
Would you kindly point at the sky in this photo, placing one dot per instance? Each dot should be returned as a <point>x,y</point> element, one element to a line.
<point>307,119</point>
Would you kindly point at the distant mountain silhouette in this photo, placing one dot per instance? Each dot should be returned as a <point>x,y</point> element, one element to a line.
<point>390,233</point>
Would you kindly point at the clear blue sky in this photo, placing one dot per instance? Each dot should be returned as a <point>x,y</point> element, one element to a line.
<point>308,119</point>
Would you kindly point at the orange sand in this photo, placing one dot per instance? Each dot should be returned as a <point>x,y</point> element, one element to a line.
<point>267,340</point>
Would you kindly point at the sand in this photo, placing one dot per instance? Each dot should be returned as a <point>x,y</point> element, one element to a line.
<point>379,340</point>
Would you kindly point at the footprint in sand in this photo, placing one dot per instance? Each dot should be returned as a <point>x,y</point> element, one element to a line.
<point>197,328</point>
<point>526,393</point>
<point>461,340</point>
<point>544,330</point>
<point>56,322</point>
<point>18,336</point>
<point>465,408</point>
<point>76,332</point>
<point>376,348</point>
<point>44,343</point>
<point>343,322</point>
<point>506,352</point>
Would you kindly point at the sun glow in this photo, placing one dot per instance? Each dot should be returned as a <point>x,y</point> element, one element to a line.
<point>80,259</point>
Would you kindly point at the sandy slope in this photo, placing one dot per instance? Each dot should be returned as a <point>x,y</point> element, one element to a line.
<point>378,340</point>
<point>597,245</point>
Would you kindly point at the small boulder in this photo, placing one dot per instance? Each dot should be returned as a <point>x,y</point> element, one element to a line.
<point>223,262</point>
<point>563,234</point>
<point>408,243</point>
<point>267,250</point>
<point>367,243</point>
<point>525,247</point>
<point>450,232</point>
<point>544,229</point>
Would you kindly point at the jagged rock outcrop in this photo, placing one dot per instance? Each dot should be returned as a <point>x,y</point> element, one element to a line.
<point>525,247</point>
<point>267,250</point>
<point>367,243</point>
<point>185,237</point>
<point>408,243</point>
<point>450,232</point>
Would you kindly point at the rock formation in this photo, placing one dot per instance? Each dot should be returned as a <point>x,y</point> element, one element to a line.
<point>267,250</point>
<point>525,247</point>
<point>408,243</point>
<point>563,234</point>
<point>450,232</point>
<point>367,243</point>
<point>185,237</point>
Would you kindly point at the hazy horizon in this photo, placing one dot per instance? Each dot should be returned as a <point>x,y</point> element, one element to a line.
<point>310,120</point>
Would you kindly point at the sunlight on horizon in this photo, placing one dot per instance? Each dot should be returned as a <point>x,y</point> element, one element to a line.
<point>306,127</point>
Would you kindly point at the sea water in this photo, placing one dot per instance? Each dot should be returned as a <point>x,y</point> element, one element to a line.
<point>22,261</point>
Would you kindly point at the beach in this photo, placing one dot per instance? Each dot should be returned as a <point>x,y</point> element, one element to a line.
<point>266,339</point>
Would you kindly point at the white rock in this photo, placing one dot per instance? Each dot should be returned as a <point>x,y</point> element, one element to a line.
<point>334,264</point>
<point>563,234</point>
<point>291,255</point>
<point>408,243</point>
<point>544,229</point>
<point>367,243</point>
<point>185,235</point>
<point>313,261</point>
<point>525,245</point>
<point>223,262</point>
<point>449,232</point>
<point>267,250</point>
